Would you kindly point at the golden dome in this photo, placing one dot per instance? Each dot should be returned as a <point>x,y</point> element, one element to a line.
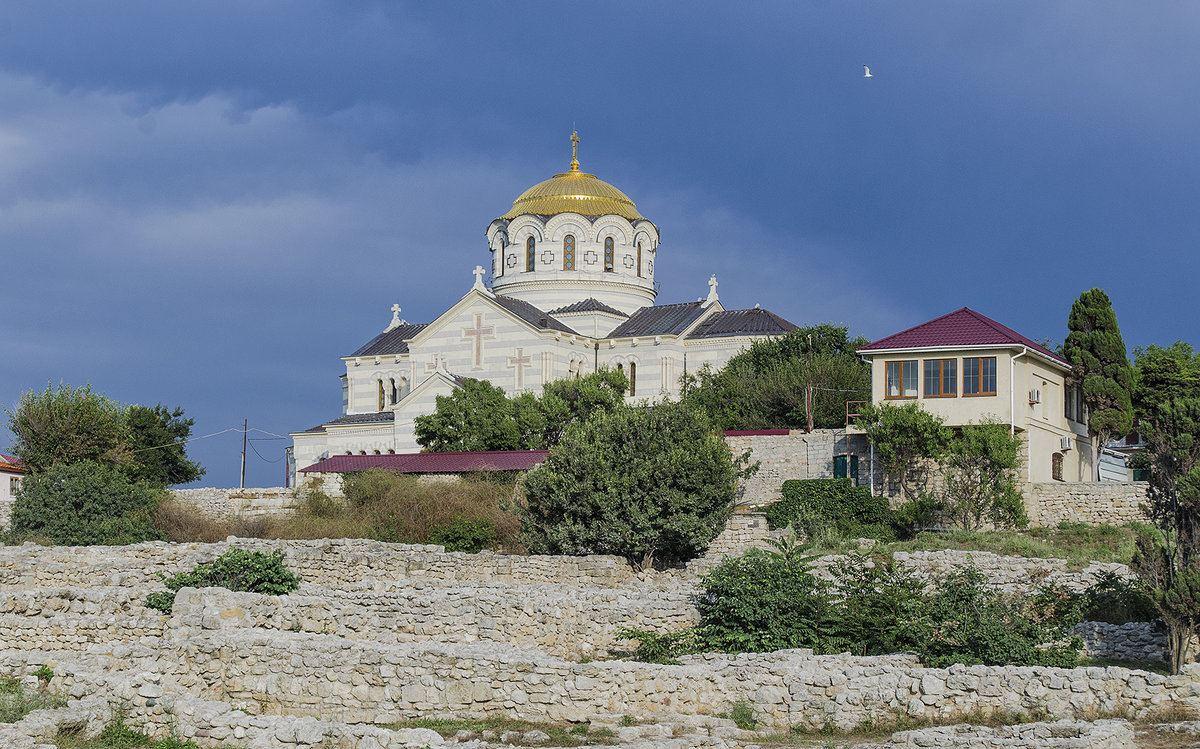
<point>574,192</point>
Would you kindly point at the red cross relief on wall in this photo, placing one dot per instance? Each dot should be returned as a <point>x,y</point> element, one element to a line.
<point>478,333</point>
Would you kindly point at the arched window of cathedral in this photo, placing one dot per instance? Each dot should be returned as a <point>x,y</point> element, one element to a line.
<point>530,255</point>
<point>639,259</point>
<point>620,367</point>
<point>608,254</point>
<point>569,252</point>
<point>380,395</point>
<point>632,378</point>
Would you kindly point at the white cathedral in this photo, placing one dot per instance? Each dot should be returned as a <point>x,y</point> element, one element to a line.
<point>572,291</point>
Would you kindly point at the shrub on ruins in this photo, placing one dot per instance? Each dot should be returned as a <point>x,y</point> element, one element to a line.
<point>653,485</point>
<point>964,620</point>
<point>766,386</point>
<point>762,601</point>
<point>84,503</point>
<point>245,570</point>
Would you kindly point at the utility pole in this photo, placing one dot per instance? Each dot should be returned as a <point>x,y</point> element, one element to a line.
<point>245,424</point>
<point>808,391</point>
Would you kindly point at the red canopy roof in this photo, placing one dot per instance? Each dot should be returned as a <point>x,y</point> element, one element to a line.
<point>964,327</point>
<point>495,460</point>
<point>11,464</point>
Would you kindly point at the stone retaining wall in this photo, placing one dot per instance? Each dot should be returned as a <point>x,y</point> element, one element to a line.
<point>569,623</point>
<point>224,504</point>
<point>1094,503</point>
<point>334,562</point>
<point>358,682</point>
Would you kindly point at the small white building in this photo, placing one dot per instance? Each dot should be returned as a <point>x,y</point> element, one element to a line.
<point>572,291</point>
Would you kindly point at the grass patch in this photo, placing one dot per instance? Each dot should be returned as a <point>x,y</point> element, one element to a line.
<point>16,702</point>
<point>1156,667</point>
<point>465,515</point>
<point>117,735</point>
<point>870,730</point>
<point>580,734</point>
<point>1080,544</point>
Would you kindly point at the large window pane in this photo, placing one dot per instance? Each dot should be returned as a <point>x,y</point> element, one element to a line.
<point>910,379</point>
<point>949,376</point>
<point>970,376</point>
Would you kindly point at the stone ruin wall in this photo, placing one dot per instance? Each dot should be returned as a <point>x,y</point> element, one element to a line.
<point>383,632</point>
<point>1094,503</point>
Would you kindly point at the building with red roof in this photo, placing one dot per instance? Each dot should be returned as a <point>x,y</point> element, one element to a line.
<point>966,368</point>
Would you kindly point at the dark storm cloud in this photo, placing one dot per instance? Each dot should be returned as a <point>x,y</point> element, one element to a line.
<point>208,204</point>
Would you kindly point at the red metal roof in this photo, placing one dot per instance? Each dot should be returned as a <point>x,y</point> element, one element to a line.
<point>964,327</point>
<point>755,432</point>
<point>11,464</point>
<point>495,460</point>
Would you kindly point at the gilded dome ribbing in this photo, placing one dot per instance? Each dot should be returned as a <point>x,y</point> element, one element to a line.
<point>574,192</point>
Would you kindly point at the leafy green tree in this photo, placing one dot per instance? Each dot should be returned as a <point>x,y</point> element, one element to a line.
<point>477,416</point>
<point>1100,365</point>
<point>979,469</point>
<point>651,485</point>
<point>765,386</point>
<point>480,416</point>
<point>84,503</point>
<point>65,425</point>
<point>908,440</point>
<point>157,439</point>
<point>1162,373</point>
<point>1169,563</point>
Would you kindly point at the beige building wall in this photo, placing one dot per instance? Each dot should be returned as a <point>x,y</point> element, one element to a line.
<point>1030,397</point>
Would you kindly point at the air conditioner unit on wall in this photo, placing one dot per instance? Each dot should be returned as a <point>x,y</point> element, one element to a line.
<point>1066,443</point>
<point>1035,396</point>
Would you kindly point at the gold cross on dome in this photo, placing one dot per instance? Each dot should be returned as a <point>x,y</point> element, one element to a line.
<point>575,151</point>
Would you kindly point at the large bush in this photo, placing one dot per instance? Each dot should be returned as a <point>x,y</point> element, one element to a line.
<point>651,485</point>
<point>764,601</point>
<point>811,505</point>
<point>84,503</point>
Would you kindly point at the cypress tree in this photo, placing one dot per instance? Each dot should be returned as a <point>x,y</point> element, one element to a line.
<point>1101,368</point>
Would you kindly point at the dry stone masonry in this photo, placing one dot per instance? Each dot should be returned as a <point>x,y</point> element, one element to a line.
<point>382,633</point>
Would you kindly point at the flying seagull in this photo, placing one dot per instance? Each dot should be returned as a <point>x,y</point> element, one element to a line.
<point>867,72</point>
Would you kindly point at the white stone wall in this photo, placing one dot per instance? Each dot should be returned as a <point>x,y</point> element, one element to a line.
<point>796,455</point>
<point>231,503</point>
<point>1049,504</point>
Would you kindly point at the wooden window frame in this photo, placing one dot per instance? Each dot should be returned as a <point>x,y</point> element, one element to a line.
<point>530,255</point>
<point>917,377</point>
<point>639,255</point>
<point>980,393</point>
<point>940,379</point>
<point>1056,466</point>
<point>569,252</point>
<point>609,254</point>
<point>633,378</point>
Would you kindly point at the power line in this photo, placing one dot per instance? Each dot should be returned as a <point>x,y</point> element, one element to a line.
<point>189,439</point>
<point>260,455</point>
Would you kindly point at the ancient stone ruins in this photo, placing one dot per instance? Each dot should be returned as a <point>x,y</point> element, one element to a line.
<point>383,633</point>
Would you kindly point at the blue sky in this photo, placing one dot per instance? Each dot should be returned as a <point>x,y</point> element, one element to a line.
<point>207,204</point>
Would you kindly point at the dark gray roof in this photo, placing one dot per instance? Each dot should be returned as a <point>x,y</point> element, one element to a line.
<point>742,322</point>
<point>666,319</point>
<point>394,341</point>
<point>371,418</point>
<point>531,314</point>
<point>590,304</point>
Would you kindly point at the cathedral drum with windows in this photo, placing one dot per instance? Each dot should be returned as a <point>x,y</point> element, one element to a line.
<point>572,290</point>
